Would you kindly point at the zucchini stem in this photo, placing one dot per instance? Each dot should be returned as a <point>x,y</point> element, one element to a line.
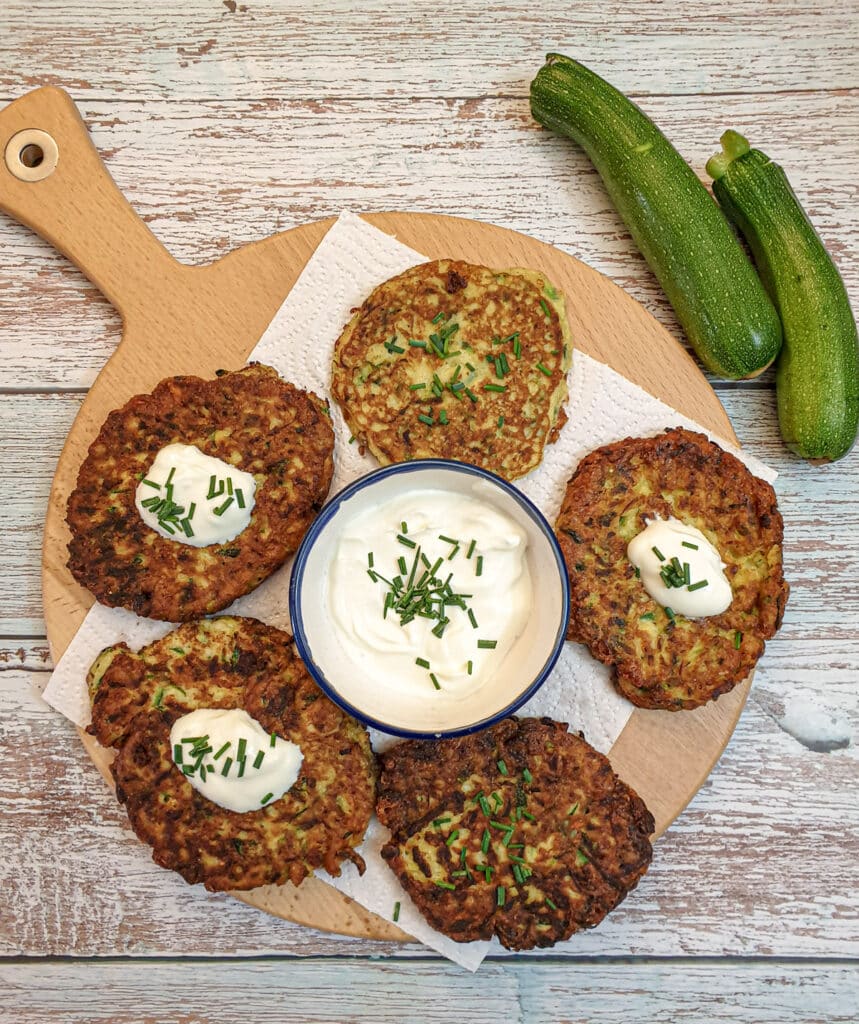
<point>734,146</point>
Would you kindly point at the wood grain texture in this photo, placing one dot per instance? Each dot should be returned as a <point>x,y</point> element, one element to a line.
<point>225,121</point>
<point>341,992</point>
<point>185,169</point>
<point>217,50</point>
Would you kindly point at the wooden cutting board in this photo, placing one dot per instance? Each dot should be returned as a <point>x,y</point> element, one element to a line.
<point>179,319</point>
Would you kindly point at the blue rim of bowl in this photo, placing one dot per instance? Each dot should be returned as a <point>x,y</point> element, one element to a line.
<point>327,514</point>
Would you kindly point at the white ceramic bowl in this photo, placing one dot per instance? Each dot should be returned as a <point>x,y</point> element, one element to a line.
<point>522,670</point>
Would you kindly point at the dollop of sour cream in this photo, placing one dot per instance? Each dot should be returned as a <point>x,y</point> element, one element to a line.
<point>707,592</point>
<point>228,757</point>
<point>428,535</point>
<point>194,498</point>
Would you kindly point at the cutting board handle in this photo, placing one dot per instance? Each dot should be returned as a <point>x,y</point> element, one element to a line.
<point>53,180</point>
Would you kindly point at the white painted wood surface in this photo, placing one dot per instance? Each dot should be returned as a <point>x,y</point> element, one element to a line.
<point>223,122</point>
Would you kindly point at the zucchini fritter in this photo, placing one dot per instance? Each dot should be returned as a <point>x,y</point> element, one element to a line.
<point>670,661</point>
<point>251,419</point>
<point>455,360</point>
<point>232,663</point>
<point>521,831</point>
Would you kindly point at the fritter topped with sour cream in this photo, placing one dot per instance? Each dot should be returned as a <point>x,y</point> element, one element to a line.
<point>454,360</point>
<point>232,663</point>
<point>522,831</point>
<point>663,659</point>
<point>250,419</point>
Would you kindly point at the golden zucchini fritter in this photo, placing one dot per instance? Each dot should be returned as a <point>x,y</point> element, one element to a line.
<point>454,360</point>
<point>232,663</point>
<point>662,661</point>
<point>251,419</point>
<point>521,831</point>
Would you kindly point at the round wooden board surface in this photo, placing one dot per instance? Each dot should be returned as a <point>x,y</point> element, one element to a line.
<point>215,315</point>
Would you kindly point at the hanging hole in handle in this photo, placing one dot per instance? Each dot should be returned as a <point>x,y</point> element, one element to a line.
<point>31,155</point>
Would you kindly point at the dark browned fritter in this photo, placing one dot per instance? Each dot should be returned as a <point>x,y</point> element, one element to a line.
<point>455,360</point>
<point>521,831</point>
<point>232,663</point>
<point>660,660</point>
<point>251,419</point>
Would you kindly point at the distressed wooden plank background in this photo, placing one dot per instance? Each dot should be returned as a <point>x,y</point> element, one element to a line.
<point>225,121</point>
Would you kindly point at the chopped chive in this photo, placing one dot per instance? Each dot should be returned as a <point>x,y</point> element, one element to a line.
<point>442,417</point>
<point>242,764</point>
<point>502,767</point>
<point>438,317</point>
<point>447,540</point>
<point>485,841</point>
<point>549,904</point>
<point>441,821</point>
<point>471,395</point>
<point>225,767</point>
<point>426,419</point>
<point>240,754</point>
<point>240,498</point>
<point>223,750</point>
<point>648,615</point>
<point>517,347</point>
<point>658,554</point>
<point>471,547</point>
<point>495,387</point>
<point>698,585</point>
<point>506,840</point>
<point>407,541</point>
<point>445,885</point>
<point>499,896</point>
<point>177,753</point>
<point>530,817</point>
<point>487,645</point>
<point>458,874</point>
<point>470,666</point>
<point>223,508</point>
<point>544,370</point>
<point>688,544</point>
<point>452,838</point>
<point>370,559</point>
<point>229,485</point>
<point>500,422</point>
<point>169,479</point>
<point>502,825</point>
<point>397,911</point>
<point>272,739</point>
<point>738,639</point>
<point>545,307</point>
<point>266,798</point>
<point>484,805</point>
<point>517,874</point>
<point>582,858</point>
<point>669,612</point>
<point>435,681</point>
<point>472,619</point>
<point>527,776</point>
<point>259,758</point>
<point>417,344</point>
<point>151,483</point>
<point>479,569</point>
<point>422,662</point>
<point>416,387</point>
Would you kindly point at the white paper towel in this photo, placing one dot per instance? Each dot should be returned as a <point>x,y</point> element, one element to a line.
<point>350,261</point>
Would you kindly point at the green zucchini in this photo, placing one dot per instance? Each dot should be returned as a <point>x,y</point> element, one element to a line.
<point>817,373</point>
<point>687,242</point>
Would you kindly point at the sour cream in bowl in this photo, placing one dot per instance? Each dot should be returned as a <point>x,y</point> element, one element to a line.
<point>429,598</point>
